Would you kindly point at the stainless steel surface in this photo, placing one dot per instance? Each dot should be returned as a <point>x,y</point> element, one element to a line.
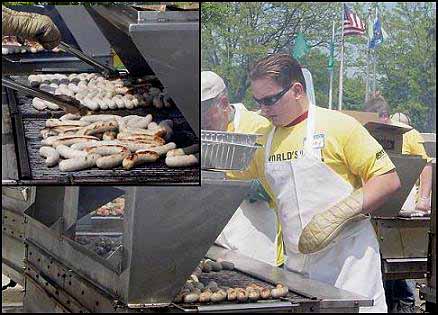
<point>15,200</point>
<point>404,268</point>
<point>68,104</point>
<point>177,225</point>
<point>36,300</point>
<point>229,137</point>
<point>104,69</point>
<point>9,159</point>
<point>226,156</point>
<point>114,22</point>
<point>173,56</point>
<point>408,169</point>
<point>13,251</point>
<point>248,307</point>
<point>402,237</point>
<point>86,33</point>
<point>175,234</point>
<point>330,296</point>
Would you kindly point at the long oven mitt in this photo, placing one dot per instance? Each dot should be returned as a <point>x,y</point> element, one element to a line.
<point>324,227</point>
<point>31,26</point>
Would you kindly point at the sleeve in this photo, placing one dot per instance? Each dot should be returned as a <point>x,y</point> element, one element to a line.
<point>416,146</point>
<point>364,155</point>
<point>250,173</point>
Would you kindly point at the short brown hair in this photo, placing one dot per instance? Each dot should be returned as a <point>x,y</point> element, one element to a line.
<point>377,104</point>
<point>281,68</point>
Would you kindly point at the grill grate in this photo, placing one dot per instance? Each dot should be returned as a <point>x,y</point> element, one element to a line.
<point>237,279</point>
<point>150,173</point>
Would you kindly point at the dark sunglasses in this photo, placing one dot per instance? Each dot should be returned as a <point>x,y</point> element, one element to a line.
<point>271,100</point>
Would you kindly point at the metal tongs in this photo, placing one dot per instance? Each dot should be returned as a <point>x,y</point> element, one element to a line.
<point>107,71</point>
<point>67,103</point>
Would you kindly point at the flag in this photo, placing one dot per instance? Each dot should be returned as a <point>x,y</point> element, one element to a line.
<point>352,23</point>
<point>301,48</point>
<point>378,33</point>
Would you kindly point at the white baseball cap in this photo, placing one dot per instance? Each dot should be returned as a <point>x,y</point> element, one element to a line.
<point>400,117</point>
<point>211,85</point>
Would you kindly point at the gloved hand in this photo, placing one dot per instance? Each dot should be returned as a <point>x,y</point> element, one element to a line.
<point>30,26</point>
<point>325,226</point>
<point>257,192</point>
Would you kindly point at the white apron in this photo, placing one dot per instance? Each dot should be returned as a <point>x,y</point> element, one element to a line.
<point>252,230</point>
<point>305,187</point>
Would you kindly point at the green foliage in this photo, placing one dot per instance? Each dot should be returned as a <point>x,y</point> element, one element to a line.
<point>234,35</point>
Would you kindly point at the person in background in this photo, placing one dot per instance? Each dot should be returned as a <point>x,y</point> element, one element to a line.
<point>416,203</point>
<point>31,26</point>
<point>400,294</point>
<point>253,229</point>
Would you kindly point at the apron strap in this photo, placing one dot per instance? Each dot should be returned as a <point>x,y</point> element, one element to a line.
<point>269,144</point>
<point>236,120</point>
<point>310,130</point>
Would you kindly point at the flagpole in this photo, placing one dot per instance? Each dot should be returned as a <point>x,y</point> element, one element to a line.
<point>367,86</point>
<point>331,69</point>
<point>374,64</point>
<point>341,67</point>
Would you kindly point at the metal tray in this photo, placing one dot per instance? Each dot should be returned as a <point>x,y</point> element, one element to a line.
<point>230,137</point>
<point>226,156</point>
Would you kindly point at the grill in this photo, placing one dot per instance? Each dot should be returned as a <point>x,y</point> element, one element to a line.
<point>178,74</point>
<point>32,169</point>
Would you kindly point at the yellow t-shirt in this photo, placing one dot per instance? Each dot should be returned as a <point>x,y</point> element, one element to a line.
<point>347,148</point>
<point>413,143</point>
<point>252,123</point>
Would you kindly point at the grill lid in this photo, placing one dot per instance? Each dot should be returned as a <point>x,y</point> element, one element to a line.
<point>162,43</point>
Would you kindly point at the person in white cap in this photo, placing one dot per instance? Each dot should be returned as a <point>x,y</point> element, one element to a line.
<point>253,230</point>
<point>418,202</point>
<point>325,173</point>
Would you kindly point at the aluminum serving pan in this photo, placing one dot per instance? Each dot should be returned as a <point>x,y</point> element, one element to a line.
<point>229,137</point>
<point>227,156</point>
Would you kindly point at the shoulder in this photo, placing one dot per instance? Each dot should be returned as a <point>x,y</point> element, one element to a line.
<point>335,121</point>
<point>253,122</point>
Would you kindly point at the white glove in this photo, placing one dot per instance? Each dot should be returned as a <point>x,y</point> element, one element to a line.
<point>325,226</point>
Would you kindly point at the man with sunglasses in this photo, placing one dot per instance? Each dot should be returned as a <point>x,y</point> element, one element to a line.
<point>325,173</point>
<point>252,230</point>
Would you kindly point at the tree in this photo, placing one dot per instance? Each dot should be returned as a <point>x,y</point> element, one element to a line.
<point>408,63</point>
<point>234,35</point>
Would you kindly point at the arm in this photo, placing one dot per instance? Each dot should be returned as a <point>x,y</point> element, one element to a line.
<point>425,188</point>
<point>30,26</point>
<point>378,189</point>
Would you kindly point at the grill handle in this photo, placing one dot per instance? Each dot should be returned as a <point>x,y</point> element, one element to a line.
<point>68,104</point>
<point>107,71</point>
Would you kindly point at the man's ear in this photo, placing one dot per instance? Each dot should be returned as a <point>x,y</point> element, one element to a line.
<point>223,102</point>
<point>298,90</point>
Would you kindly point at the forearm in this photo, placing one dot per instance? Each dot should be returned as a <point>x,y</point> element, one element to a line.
<point>426,181</point>
<point>378,189</point>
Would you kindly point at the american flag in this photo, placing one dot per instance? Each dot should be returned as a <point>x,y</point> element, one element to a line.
<point>352,23</point>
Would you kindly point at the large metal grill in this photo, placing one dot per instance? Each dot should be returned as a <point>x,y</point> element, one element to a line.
<point>28,123</point>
